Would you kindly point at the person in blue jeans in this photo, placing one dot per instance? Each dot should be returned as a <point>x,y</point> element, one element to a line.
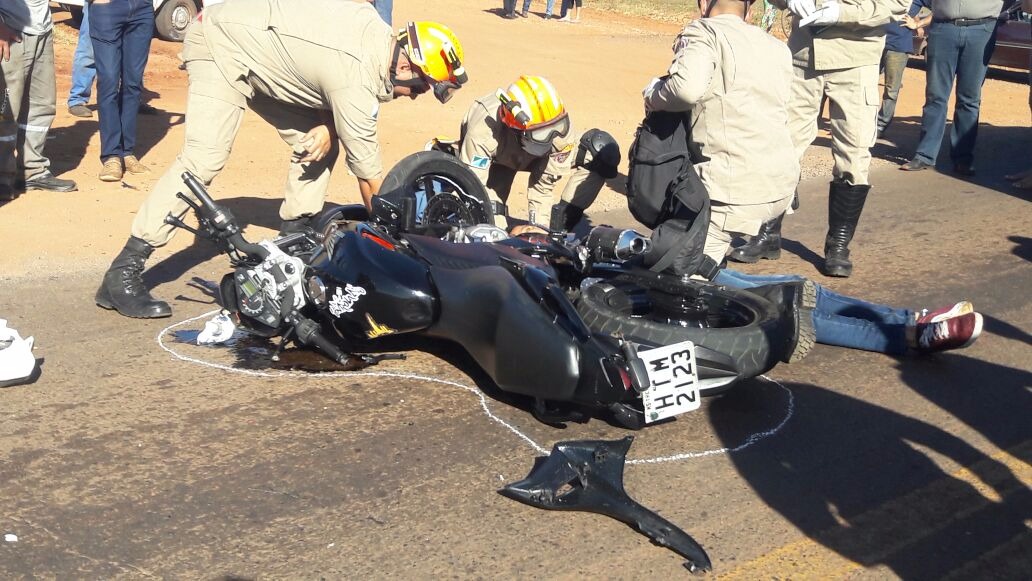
<point>84,73</point>
<point>850,322</point>
<point>121,32</point>
<point>83,70</point>
<point>961,40</point>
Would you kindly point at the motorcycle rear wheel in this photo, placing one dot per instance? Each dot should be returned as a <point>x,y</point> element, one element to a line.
<point>660,310</point>
<point>445,192</point>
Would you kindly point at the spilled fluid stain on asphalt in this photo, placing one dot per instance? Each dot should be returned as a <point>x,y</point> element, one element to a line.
<point>252,352</point>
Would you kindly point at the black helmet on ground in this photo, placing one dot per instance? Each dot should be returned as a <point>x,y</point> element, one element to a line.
<point>604,152</point>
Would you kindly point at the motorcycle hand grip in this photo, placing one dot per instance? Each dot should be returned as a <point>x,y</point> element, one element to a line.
<point>197,188</point>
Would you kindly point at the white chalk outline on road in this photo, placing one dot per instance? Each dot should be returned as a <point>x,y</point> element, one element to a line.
<point>752,439</point>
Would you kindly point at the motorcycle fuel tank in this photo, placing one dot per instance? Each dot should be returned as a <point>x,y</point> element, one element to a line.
<point>373,290</point>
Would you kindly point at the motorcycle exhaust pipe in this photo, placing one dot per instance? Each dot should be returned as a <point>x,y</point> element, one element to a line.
<point>606,243</point>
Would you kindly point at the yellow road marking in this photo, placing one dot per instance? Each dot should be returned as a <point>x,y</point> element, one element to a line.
<point>993,478</point>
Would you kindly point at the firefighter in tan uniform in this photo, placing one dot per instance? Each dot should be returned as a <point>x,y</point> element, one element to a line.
<point>836,48</point>
<point>309,73</point>
<point>734,81</point>
<point>523,128</point>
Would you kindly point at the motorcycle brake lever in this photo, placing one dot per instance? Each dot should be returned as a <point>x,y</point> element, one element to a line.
<point>374,359</point>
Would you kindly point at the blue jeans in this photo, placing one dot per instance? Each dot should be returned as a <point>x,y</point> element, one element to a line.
<point>83,71</point>
<point>838,319</point>
<point>384,8</point>
<point>960,52</point>
<point>550,5</point>
<point>121,32</point>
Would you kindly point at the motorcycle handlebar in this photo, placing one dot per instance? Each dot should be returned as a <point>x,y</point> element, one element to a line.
<point>197,189</point>
<point>221,219</point>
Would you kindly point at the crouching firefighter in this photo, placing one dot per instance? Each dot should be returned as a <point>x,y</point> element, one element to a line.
<point>526,128</point>
<point>333,61</point>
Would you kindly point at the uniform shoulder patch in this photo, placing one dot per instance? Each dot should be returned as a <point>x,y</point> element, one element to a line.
<point>480,162</point>
<point>564,153</point>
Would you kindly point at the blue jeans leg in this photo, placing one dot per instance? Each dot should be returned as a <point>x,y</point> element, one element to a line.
<point>526,6</point>
<point>838,319</point>
<point>941,68</point>
<point>83,70</point>
<point>385,8</point>
<point>121,34</point>
<point>972,64</point>
<point>549,6</point>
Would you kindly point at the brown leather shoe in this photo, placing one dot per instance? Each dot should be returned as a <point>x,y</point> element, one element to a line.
<point>112,170</point>
<point>133,165</point>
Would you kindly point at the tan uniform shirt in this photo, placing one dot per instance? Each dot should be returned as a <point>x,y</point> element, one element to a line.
<point>329,55</point>
<point>857,39</point>
<point>487,141</point>
<point>735,80</point>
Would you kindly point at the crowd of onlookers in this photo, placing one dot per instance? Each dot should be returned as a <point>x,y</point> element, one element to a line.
<point>114,43</point>
<point>569,10</point>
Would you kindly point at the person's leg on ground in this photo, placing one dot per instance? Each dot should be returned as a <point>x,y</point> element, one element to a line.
<point>940,70</point>
<point>972,64</point>
<point>83,71</point>
<point>853,96</point>
<point>894,64</point>
<point>42,108</point>
<point>214,111</point>
<point>13,108</point>
<point>549,6</point>
<point>307,183</point>
<point>509,9</point>
<point>804,109</point>
<point>136,41</point>
<point>107,26</point>
<point>526,8</point>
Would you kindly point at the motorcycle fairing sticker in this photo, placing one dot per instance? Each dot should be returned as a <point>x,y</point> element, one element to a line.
<point>376,329</point>
<point>344,300</point>
<point>480,162</point>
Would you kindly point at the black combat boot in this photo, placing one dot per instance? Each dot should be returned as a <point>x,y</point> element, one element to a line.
<point>845,204</point>
<point>766,244</point>
<point>301,224</point>
<point>123,290</point>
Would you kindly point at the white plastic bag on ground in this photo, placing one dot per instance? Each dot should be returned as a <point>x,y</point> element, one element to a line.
<point>17,362</point>
<point>218,329</point>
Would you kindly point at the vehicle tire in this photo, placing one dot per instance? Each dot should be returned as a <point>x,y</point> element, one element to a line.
<point>661,310</point>
<point>445,190</point>
<point>173,18</point>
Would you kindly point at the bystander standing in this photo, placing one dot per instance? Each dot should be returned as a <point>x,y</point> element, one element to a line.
<point>899,45</point>
<point>960,41</point>
<point>28,98</point>
<point>120,31</point>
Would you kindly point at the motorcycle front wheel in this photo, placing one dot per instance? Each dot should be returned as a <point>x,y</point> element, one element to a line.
<point>443,191</point>
<point>660,310</point>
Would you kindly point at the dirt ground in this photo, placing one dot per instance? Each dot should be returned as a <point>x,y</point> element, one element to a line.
<point>137,456</point>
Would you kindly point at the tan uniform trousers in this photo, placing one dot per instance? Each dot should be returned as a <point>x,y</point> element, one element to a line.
<point>854,102</point>
<point>214,110</point>
<point>29,109</point>
<point>583,187</point>
<point>727,219</point>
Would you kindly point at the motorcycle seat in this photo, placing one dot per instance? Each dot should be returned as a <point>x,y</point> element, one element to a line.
<point>456,256</point>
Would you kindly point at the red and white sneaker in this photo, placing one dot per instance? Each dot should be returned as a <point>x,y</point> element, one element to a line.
<point>951,333</point>
<point>925,317</point>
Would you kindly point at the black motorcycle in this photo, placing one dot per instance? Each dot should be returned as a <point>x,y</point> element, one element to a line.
<point>575,325</point>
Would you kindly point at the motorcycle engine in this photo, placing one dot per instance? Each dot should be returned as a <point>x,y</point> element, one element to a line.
<point>265,294</point>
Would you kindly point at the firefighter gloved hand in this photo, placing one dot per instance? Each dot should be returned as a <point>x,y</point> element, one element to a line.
<point>828,14</point>
<point>802,8</point>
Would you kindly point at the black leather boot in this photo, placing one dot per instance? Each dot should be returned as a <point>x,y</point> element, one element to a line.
<point>123,290</point>
<point>766,244</point>
<point>845,204</point>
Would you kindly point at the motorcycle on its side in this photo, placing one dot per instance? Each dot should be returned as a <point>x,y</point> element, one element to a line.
<point>574,324</point>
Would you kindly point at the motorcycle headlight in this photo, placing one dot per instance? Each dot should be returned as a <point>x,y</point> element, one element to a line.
<point>316,291</point>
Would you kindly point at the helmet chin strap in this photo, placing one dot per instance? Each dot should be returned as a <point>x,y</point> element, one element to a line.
<point>417,83</point>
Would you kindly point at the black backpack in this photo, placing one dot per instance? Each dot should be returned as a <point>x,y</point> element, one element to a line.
<point>665,193</point>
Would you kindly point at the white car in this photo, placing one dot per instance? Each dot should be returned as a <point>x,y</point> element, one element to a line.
<point>171,17</point>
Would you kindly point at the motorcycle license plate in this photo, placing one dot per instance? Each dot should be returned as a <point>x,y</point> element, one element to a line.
<point>673,381</point>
